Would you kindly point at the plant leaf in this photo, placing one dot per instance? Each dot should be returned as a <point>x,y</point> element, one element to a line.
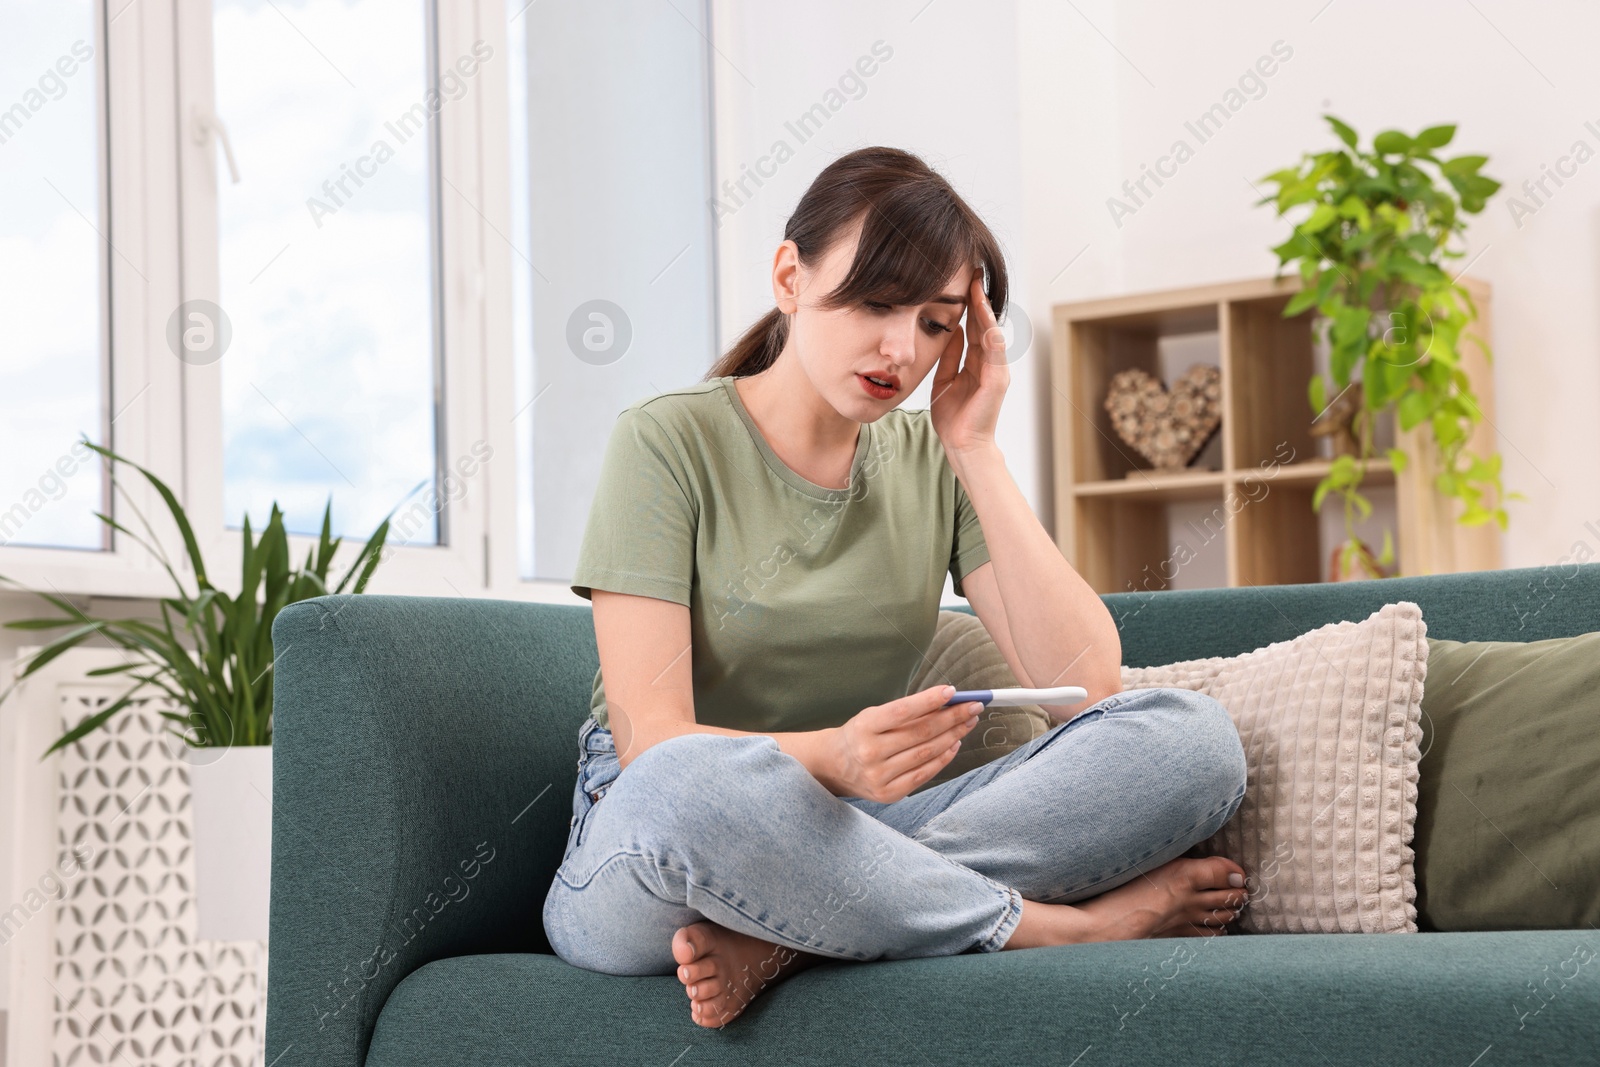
<point>1319,219</point>
<point>176,509</point>
<point>61,644</point>
<point>1346,134</point>
<point>1436,136</point>
<point>92,722</point>
<point>1462,165</point>
<point>1391,142</point>
<point>1299,302</point>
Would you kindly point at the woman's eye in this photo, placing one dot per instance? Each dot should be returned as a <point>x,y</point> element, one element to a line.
<point>933,326</point>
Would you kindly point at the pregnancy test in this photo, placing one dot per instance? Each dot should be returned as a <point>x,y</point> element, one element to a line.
<point>1011,698</point>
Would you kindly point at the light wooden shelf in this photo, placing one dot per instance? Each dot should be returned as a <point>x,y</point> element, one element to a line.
<point>1379,471</point>
<point>1141,485</point>
<point>1112,510</point>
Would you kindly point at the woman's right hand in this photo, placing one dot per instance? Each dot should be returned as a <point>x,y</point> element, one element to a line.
<point>884,752</point>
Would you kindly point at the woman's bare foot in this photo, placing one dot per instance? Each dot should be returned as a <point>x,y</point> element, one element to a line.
<point>1181,898</point>
<point>722,970</point>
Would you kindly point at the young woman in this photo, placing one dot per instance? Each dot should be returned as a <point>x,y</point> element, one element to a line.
<point>765,556</point>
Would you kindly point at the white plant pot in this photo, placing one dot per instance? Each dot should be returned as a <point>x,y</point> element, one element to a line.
<point>231,806</point>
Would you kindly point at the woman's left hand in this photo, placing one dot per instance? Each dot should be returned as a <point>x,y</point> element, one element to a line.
<point>966,401</point>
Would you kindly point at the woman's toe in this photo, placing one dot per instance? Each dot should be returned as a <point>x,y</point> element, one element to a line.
<point>1214,872</point>
<point>699,970</point>
<point>689,943</point>
<point>711,987</point>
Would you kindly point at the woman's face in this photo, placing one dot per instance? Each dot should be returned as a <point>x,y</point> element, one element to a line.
<point>839,347</point>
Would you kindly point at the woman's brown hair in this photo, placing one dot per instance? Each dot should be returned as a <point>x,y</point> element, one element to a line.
<point>916,233</point>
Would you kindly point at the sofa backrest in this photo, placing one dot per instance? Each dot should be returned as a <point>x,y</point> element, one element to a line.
<point>1524,604</point>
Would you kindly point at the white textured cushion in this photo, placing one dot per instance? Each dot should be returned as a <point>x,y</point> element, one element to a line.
<point>1331,727</point>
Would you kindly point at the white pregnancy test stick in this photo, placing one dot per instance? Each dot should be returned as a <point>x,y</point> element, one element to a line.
<point>1011,698</point>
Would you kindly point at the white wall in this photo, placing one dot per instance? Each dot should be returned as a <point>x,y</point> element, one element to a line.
<point>1108,88</point>
<point>944,84</point>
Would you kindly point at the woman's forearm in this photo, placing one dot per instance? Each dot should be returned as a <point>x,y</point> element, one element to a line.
<point>813,748</point>
<point>1058,623</point>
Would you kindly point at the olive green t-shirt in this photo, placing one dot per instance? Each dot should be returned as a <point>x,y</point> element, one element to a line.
<point>806,604</point>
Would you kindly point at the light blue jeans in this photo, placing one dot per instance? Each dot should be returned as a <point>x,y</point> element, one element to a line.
<point>735,830</point>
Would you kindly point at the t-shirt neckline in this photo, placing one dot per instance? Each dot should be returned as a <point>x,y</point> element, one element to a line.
<point>782,469</point>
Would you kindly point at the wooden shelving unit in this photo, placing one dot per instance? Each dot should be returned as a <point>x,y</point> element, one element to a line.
<point>1112,510</point>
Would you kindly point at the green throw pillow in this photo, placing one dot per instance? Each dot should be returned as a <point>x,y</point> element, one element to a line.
<point>1508,805</point>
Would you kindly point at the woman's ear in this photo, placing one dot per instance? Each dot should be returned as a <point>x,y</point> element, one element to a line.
<point>786,277</point>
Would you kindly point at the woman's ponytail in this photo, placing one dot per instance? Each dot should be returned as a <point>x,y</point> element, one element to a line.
<point>756,349</point>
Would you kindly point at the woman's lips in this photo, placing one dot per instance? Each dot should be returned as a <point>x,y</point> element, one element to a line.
<point>874,390</point>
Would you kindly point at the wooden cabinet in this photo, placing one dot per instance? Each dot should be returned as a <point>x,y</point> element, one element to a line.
<point>1247,495</point>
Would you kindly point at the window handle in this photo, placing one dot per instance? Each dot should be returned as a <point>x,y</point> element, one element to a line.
<point>205,124</point>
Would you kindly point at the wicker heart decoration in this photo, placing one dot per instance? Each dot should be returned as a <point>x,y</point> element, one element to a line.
<point>1166,427</point>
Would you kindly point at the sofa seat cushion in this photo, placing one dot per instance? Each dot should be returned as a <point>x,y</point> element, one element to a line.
<point>1239,999</point>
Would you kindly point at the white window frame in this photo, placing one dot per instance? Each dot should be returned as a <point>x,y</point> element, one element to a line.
<point>161,186</point>
<point>139,390</point>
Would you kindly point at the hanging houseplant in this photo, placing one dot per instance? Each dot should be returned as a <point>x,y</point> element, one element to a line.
<point>1371,257</point>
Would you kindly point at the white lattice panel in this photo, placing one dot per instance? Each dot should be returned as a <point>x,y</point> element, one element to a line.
<point>132,983</point>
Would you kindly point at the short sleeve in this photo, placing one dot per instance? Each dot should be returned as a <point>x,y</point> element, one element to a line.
<point>640,536</point>
<point>968,550</point>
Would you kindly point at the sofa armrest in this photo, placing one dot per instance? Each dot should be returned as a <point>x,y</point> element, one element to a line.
<point>424,754</point>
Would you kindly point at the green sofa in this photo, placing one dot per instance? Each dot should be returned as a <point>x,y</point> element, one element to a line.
<point>424,763</point>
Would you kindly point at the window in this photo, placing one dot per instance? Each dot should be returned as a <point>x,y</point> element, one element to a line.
<point>53,288</point>
<point>327,262</point>
<point>403,255</point>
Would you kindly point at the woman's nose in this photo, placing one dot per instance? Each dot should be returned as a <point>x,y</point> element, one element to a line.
<point>900,341</point>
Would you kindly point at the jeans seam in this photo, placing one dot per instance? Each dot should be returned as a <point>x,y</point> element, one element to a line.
<point>992,941</point>
<point>777,935</point>
<point>580,822</point>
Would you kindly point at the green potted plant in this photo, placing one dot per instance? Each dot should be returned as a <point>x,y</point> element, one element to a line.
<point>212,654</point>
<point>1371,255</point>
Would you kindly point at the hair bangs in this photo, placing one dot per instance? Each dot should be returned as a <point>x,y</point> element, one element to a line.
<point>912,241</point>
